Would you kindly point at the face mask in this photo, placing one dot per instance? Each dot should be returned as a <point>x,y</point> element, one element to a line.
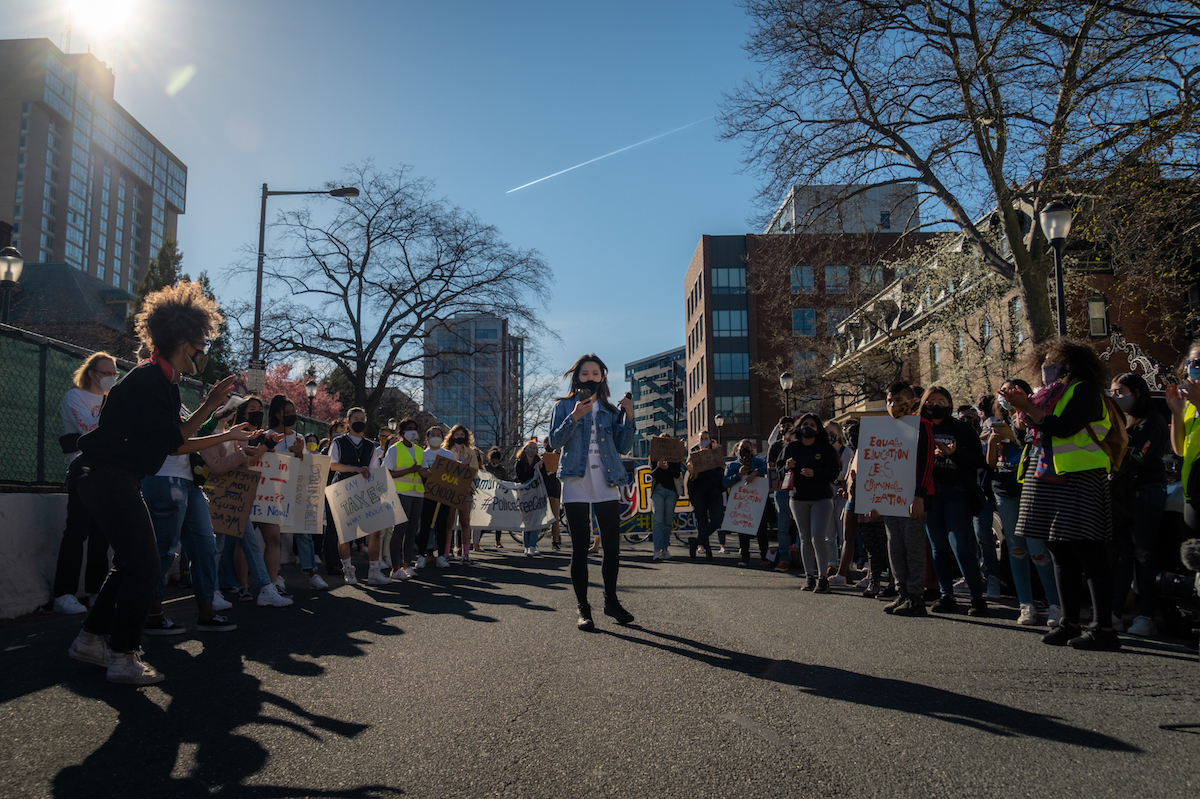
<point>458,440</point>
<point>808,432</point>
<point>311,446</point>
<point>705,444</point>
<point>255,419</point>
<point>107,382</point>
<point>590,385</point>
<point>1003,403</point>
<point>746,454</point>
<point>938,412</point>
<point>358,427</point>
<point>289,420</point>
<point>1125,403</point>
<point>833,439</point>
<point>435,441</point>
<point>411,435</point>
<point>1050,373</point>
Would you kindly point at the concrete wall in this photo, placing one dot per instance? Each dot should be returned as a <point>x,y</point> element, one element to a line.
<point>31,528</point>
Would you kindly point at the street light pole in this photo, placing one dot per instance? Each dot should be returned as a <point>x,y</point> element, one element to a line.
<point>310,388</point>
<point>785,382</point>
<point>720,422</point>
<point>11,266</point>
<point>1056,226</point>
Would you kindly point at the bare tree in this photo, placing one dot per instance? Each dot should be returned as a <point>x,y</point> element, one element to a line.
<point>986,104</point>
<point>363,287</point>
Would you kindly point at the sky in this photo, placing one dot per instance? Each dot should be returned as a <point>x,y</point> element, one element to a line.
<point>481,97</point>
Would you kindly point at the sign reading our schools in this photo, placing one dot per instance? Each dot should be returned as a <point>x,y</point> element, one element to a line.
<point>362,505</point>
<point>886,477</point>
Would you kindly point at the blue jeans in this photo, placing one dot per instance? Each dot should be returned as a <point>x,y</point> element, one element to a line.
<point>783,525</point>
<point>1139,555</point>
<point>662,501</point>
<point>986,539</point>
<point>1021,551</point>
<point>305,552</point>
<point>179,513</point>
<point>948,521</point>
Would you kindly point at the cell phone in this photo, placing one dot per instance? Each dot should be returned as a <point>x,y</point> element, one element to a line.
<point>583,395</point>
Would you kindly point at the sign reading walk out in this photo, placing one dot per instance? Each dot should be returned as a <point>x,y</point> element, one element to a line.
<point>886,480</point>
<point>362,505</point>
<point>450,482</point>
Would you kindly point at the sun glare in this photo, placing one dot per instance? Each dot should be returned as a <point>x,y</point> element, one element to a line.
<point>101,16</point>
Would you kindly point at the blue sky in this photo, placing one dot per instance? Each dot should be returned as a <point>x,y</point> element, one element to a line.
<point>481,97</point>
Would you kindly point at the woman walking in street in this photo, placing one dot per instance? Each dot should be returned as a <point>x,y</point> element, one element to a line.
<point>814,465</point>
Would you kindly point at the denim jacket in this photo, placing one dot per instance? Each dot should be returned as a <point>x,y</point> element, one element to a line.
<point>733,469</point>
<point>575,437</point>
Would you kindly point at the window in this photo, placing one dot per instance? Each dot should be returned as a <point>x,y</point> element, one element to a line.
<point>729,281</point>
<point>24,125</point>
<point>731,365</point>
<point>493,333</point>
<point>802,280</point>
<point>985,333</point>
<point>1097,316</point>
<point>804,363</point>
<point>16,212</point>
<point>871,276</point>
<point>834,317</point>
<point>736,410</point>
<point>116,280</point>
<point>729,323</point>
<point>837,279</point>
<point>1016,322</point>
<point>22,142</point>
<point>934,368</point>
<point>804,322</point>
<point>959,344</point>
<point>20,176</point>
<point>885,220</point>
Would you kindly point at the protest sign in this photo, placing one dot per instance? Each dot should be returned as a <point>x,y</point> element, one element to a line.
<point>231,500</point>
<point>886,480</point>
<point>450,482</point>
<point>671,450</point>
<point>276,490</point>
<point>361,505</point>
<point>747,501</point>
<point>501,505</point>
<point>312,474</point>
<point>704,459</point>
<point>550,460</point>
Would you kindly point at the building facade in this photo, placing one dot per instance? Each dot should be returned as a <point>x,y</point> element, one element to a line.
<point>84,183</point>
<point>659,397</point>
<point>474,376</point>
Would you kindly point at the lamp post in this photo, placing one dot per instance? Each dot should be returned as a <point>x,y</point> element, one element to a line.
<point>310,388</point>
<point>1056,226</point>
<point>392,423</point>
<point>720,422</point>
<point>785,382</point>
<point>11,264</point>
<point>257,372</point>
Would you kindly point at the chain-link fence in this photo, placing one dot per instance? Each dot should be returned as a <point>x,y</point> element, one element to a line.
<point>35,373</point>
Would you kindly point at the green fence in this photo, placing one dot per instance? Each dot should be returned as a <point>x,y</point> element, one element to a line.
<point>35,373</point>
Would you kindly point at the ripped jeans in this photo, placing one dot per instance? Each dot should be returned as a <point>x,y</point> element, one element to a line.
<point>1021,551</point>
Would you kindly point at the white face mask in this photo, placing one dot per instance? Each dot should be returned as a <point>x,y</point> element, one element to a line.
<point>107,382</point>
<point>435,441</point>
<point>704,444</point>
<point>412,435</point>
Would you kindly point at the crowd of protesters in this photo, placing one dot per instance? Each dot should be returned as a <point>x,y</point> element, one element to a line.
<point>1071,474</point>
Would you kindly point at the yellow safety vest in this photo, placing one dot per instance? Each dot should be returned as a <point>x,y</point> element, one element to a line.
<point>409,483</point>
<point>1191,443</point>
<point>1080,452</point>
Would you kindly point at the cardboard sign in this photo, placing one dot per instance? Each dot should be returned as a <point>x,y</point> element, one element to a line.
<point>886,480</point>
<point>671,450</point>
<point>309,503</point>
<point>276,490</point>
<point>747,502</point>
<point>705,459</point>
<point>450,482</point>
<point>501,505</point>
<point>362,505</point>
<point>232,497</point>
<point>551,459</point>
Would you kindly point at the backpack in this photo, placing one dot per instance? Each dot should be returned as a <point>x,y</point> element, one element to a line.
<point>1116,441</point>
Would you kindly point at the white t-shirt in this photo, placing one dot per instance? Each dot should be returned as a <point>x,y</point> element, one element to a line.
<point>80,412</point>
<point>335,449</point>
<point>430,454</point>
<point>177,465</point>
<point>285,444</point>
<point>593,486</point>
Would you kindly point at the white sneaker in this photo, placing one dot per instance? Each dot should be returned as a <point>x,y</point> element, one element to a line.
<point>1028,616</point>
<point>268,597</point>
<point>410,571</point>
<point>657,556</point>
<point>666,554</point>
<point>317,583</point>
<point>837,579</point>
<point>993,588</point>
<point>375,576</point>
<point>400,574</point>
<point>420,562</point>
<point>68,605</point>
<point>1118,623</point>
<point>442,562</point>
<point>1142,627</point>
<point>90,648</point>
<point>387,561</point>
<point>127,668</point>
<point>280,584</point>
<point>220,602</point>
<point>961,588</point>
<point>1053,616</point>
<point>349,575</point>
<point>863,583</point>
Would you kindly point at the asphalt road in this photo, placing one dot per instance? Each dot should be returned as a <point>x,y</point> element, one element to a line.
<point>474,683</point>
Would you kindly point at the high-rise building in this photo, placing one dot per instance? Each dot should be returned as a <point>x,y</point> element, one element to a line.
<point>84,182</point>
<point>474,376</point>
<point>657,385</point>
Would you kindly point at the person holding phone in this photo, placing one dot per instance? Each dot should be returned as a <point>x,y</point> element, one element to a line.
<point>592,434</point>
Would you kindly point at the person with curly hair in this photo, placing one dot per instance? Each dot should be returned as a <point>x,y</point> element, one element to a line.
<point>140,425</point>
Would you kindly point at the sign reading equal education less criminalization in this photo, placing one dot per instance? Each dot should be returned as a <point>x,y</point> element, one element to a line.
<point>886,479</point>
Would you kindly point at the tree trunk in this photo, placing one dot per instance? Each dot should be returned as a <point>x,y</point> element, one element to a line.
<point>1036,298</point>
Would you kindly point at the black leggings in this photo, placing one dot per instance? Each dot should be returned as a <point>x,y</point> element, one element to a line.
<point>579,521</point>
<point>1074,559</point>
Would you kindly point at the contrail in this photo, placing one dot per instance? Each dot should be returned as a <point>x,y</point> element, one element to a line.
<point>614,152</point>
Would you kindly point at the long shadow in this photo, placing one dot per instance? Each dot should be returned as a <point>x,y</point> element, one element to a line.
<point>885,693</point>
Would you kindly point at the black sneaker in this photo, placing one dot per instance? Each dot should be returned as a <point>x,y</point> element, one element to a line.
<point>584,622</point>
<point>185,579</point>
<point>978,607</point>
<point>822,586</point>
<point>895,604</point>
<point>932,595</point>
<point>161,625</point>
<point>810,584</point>
<point>217,624</point>
<point>613,608</point>
<point>693,545</point>
<point>888,593</point>
<point>244,594</point>
<point>918,608</point>
<point>1061,634</point>
<point>1103,640</point>
<point>708,555</point>
<point>903,609</point>
<point>947,604</point>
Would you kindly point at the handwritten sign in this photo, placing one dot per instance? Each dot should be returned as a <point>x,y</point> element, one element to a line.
<point>450,482</point>
<point>276,490</point>
<point>671,450</point>
<point>231,500</point>
<point>551,460</point>
<point>362,505</point>
<point>312,475</point>
<point>747,501</point>
<point>886,480</point>
<point>705,459</point>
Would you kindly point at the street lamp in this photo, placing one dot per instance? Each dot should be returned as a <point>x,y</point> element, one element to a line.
<point>1056,226</point>
<point>257,373</point>
<point>392,423</point>
<point>720,422</point>
<point>310,388</point>
<point>11,264</point>
<point>785,382</point>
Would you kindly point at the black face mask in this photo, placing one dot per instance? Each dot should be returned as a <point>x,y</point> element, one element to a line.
<point>937,412</point>
<point>458,440</point>
<point>289,420</point>
<point>590,385</point>
<point>808,432</point>
<point>358,427</point>
<point>255,419</point>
